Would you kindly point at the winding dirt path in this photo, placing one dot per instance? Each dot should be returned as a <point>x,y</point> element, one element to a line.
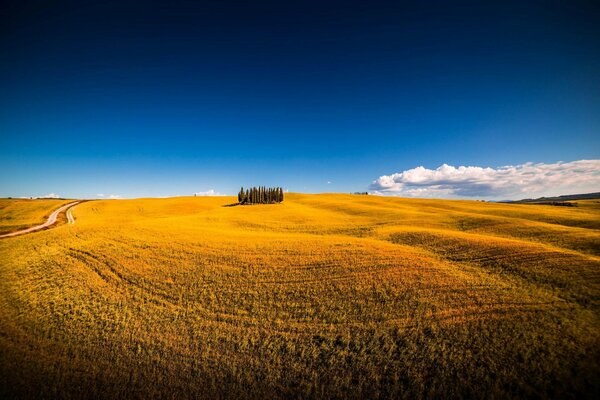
<point>70,216</point>
<point>51,220</point>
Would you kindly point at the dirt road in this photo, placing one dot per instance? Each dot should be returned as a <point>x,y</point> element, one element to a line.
<point>51,221</point>
<point>70,216</point>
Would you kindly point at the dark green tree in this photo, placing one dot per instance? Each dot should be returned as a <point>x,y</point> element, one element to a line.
<point>260,195</point>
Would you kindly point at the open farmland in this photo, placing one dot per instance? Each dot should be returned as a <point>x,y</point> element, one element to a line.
<point>17,214</point>
<point>320,296</point>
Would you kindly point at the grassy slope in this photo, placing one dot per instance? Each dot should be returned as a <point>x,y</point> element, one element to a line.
<point>17,214</point>
<point>324,295</point>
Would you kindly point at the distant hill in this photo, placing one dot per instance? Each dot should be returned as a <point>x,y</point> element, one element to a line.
<point>585,196</point>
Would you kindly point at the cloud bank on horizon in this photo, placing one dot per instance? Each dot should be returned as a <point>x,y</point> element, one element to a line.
<point>507,182</point>
<point>110,196</point>
<point>46,196</point>
<point>210,192</point>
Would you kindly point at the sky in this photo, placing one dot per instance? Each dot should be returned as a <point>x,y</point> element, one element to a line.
<point>492,100</point>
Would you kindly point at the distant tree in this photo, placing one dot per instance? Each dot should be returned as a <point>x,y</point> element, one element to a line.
<point>260,195</point>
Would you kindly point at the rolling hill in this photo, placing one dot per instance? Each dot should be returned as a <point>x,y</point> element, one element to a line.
<point>16,214</point>
<point>337,296</point>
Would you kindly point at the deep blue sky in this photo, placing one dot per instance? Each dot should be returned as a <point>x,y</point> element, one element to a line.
<point>172,98</point>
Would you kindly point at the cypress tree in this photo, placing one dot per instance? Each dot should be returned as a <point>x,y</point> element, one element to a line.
<point>260,195</point>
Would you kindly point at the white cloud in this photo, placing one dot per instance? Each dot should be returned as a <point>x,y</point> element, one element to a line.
<point>210,192</point>
<point>48,196</point>
<point>507,182</point>
<point>329,182</point>
<point>110,196</point>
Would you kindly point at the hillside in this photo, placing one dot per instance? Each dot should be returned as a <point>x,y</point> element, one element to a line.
<point>16,214</point>
<point>567,197</point>
<point>320,296</point>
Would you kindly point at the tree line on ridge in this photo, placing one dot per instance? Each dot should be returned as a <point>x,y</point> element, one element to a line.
<point>260,195</point>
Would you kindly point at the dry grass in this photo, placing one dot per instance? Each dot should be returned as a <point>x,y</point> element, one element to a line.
<point>321,296</point>
<point>16,214</point>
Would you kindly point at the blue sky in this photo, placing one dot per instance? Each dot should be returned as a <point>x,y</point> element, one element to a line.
<point>174,98</point>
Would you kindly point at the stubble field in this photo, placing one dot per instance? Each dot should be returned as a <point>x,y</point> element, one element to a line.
<point>339,296</point>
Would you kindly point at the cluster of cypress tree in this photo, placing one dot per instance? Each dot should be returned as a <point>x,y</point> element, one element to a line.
<point>260,195</point>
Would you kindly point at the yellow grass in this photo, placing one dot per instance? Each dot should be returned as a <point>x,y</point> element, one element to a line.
<point>16,214</point>
<point>321,296</point>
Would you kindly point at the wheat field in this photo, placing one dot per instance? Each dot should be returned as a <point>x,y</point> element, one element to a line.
<point>322,296</point>
<point>17,214</point>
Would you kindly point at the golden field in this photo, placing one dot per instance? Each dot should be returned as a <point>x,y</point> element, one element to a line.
<point>322,296</point>
<point>17,214</point>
